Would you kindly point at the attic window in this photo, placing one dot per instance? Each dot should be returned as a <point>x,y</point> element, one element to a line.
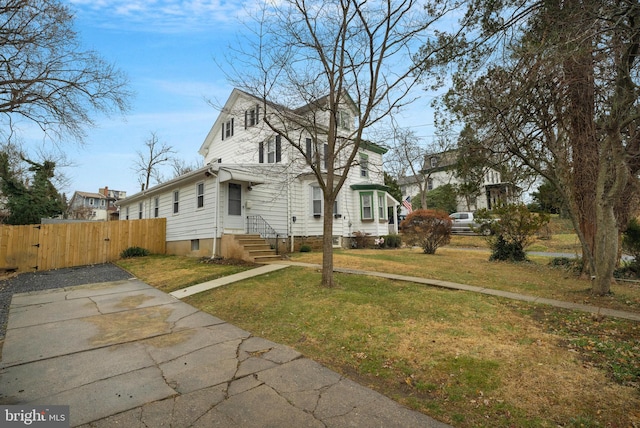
<point>434,162</point>
<point>251,117</point>
<point>344,120</point>
<point>227,129</point>
<point>364,165</point>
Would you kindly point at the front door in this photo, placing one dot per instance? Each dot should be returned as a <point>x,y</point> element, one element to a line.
<point>235,219</point>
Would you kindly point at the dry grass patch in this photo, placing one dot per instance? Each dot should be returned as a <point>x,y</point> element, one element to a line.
<point>170,273</point>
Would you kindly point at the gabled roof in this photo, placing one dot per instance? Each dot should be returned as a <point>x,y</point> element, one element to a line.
<point>89,195</point>
<point>444,161</point>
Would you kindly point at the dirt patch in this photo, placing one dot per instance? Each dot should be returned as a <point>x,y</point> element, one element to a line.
<point>127,326</point>
<point>172,339</point>
<point>133,302</point>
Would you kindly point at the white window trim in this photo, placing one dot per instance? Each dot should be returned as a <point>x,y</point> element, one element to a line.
<point>317,189</point>
<point>199,196</point>
<point>363,206</point>
<point>364,165</point>
<point>382,206</point>
<point>176,202</point>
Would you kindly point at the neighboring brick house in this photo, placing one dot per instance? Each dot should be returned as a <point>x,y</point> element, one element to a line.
<point>95,206</point>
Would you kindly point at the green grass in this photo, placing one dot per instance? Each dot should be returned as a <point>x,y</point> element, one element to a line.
<point>466,359</point>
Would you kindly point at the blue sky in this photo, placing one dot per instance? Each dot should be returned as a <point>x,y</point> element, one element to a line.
<point>170,50</point>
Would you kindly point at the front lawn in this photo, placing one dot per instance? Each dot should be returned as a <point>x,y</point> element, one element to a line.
<point>466,359</point>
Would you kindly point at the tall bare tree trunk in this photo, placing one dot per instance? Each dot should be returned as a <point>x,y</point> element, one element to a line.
<point>327,242</point>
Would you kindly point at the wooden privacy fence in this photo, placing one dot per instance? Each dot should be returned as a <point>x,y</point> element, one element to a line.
<point>54,246</point>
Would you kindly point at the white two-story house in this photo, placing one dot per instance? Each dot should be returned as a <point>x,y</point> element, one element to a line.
<point>255,181</point>
<point>439,169</point>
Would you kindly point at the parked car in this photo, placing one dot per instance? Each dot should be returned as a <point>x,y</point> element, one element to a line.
<point>464,222</point>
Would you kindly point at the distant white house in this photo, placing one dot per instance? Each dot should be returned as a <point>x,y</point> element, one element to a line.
<point>98,206</point>
<point>438,169</point>
<point>253,180</point>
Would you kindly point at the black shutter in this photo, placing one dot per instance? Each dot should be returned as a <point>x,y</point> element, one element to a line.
<point>257,113</point>
<point>223,131</point>
<point>278,149</point>
<point>261,153</point>
<point>308,150</point>
<point>232,127</point>
<point>245,119</point>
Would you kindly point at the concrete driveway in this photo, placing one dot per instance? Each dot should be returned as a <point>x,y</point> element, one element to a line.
<point>126,354</point>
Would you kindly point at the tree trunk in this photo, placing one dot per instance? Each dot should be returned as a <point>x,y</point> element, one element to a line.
<point>327,243</point>
<point>606,249</point>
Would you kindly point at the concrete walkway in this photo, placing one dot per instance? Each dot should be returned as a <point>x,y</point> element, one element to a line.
<point>126,354</point>
<point>273,266</point>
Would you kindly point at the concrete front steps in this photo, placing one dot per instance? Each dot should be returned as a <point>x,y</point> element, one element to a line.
<point>249,247</point>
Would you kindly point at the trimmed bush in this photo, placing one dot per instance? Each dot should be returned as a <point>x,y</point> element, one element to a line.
<point>393,241</point>
<point>134,252</point>
<point>429,229</point>
<point>305,249</point>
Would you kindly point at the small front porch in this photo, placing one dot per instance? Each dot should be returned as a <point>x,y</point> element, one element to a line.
<point>248,247</point>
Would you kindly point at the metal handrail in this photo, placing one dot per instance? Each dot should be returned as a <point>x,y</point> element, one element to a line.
<point>256,224</point>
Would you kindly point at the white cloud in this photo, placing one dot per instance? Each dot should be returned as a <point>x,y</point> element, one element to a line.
<point>165,16</point>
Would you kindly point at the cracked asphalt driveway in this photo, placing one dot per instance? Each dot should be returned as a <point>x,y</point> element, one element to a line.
<point>123,353</point>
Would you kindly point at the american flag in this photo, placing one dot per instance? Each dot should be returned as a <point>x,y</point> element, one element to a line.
<point>407,204</point>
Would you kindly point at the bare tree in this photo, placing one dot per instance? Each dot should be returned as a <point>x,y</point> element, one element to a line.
<point>563,101</point>
<point>333,54</point>
<point>148,160</point>
<point>45,76</point>
<point>181,166</point>
<point>407,156</point>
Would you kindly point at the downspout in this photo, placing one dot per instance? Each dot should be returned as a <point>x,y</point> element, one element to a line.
<point>211,172</point>
<point>289,213</point>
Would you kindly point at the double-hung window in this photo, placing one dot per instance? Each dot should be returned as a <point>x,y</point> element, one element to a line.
<point>200,195</point>
<point>382,210</point>
<point>126,214</point>
<point>140,210</point>
<point>316,201</point>
<point>316,153</point>
<point>366,205</point>
<point>344,120</point>
<point>273,149</point>
<point>227,129</point>
<point>364,165</point>
<point>156,207</point>
<point>176,201</point>
<point>251,116</point>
